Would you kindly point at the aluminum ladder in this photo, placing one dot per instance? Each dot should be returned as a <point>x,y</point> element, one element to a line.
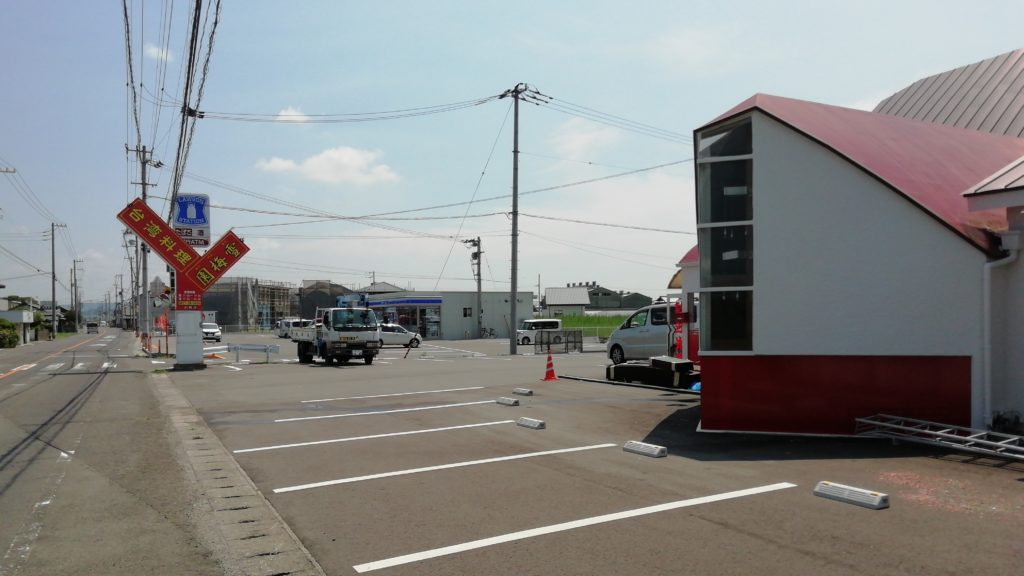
<point>936,434</point>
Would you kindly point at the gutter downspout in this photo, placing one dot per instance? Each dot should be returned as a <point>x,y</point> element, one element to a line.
<point>986,347</point>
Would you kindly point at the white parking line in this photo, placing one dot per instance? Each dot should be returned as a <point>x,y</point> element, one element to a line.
<point>470,352</point>
<point>384,411</point>
<point>398,394</point>
<point>524,534</point>
<point>350,439</point>
<point>433,468</point>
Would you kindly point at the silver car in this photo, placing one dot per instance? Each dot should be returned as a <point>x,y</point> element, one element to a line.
<point>646,333</point>
<point>211,331</point>
<point>397,335</point>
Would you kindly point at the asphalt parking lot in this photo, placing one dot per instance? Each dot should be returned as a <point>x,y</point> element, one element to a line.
<point>409,466</point>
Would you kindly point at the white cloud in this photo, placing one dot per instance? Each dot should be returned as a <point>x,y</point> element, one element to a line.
<point>868,103</point>
<point>577,139</point>
<point>693,49</point>
<point>339,165</point>
<point>291,114</point>
<point>152,51</point>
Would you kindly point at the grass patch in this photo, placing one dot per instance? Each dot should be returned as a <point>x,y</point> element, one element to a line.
<point>600,326</point>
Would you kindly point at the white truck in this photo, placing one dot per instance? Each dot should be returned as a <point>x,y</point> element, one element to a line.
<point>339,334</point>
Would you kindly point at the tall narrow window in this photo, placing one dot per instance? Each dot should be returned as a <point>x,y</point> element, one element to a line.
<point>725,234</point>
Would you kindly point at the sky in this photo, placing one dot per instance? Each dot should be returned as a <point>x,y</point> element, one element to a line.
<point>610,202</point>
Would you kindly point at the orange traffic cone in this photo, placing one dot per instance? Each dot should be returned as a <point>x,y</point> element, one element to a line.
<point>550,373</point>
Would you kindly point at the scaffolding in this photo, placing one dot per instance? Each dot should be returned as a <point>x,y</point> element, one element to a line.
<point>247,304</point>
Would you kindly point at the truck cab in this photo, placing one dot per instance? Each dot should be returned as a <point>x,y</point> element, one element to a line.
<point>339,335</point>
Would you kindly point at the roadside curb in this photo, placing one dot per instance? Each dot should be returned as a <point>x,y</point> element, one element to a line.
<point>235,520</point>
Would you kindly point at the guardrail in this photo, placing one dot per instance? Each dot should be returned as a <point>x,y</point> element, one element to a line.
<point>267,349</point>
<point>558,341</point>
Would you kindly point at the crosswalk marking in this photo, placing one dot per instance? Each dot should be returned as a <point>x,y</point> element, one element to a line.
<point>53,367</point>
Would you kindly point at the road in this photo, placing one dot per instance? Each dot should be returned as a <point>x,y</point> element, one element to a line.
<point>409,466</point>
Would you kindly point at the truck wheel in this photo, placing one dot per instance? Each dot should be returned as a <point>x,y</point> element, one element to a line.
<point>343,360</point>
<point>300,351</point>
<point>414,343</point>
<point>526,341</point>
<point>558,339</point>
<point>329,360</point>
<point>368,360</point>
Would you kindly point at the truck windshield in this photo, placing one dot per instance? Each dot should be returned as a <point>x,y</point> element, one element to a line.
<point>354,319</point>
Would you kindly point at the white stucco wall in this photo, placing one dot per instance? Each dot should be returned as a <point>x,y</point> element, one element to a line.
<point>1008,338</point>
<point>845,266</point>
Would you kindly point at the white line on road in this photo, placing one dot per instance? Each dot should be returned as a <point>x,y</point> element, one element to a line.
<point>398,394</point>
<point>79,366</point>
<point>441,467</point>
<point>21,546</point>
<point>53,367</point>
<point>470,352</point>
<point>522,535</point>
<point>384,411</point>
<point>235,368</point>
<point>108,365</point>
<point>350,439</point>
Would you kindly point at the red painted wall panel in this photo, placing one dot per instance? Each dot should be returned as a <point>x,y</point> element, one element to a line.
<point>823,394</point>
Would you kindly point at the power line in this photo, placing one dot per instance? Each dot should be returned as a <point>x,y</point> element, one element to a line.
<point>607,224</point>
<point>476,189</point>
<point>335,118</point>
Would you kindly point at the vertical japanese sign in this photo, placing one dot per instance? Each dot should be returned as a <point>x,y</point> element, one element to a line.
<point>221,256</point>
<point>194,273</point>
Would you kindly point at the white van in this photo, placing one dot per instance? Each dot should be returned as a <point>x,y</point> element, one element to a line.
<point>285,325</point>
<point>645,333</point>
<point>528,330</point>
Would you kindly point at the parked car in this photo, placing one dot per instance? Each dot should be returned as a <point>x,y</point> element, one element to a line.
<point>527,331</point>
<point>92,328</point>
<point>645,333</point>
<point>285,326</point>
<point>397,335</point>
<point>211,331</point>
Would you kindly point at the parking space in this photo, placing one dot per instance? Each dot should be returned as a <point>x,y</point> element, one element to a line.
<point>409,466</point>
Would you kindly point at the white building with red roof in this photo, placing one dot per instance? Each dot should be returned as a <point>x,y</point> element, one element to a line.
<point>853,263</point>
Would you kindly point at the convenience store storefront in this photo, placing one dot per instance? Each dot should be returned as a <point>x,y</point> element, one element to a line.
<point>420,314</point>
<point>451,315</point>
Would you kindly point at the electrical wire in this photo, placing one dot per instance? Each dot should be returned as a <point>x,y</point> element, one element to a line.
<point>607,224</point>
<point>565,107</point>
<point>476,189</point>
<point>605,255</point>
<point>336,118</point>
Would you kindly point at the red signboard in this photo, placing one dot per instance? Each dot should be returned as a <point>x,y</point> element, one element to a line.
<point>221,256</point>
<point>158,235</point>
<point>195,273</point>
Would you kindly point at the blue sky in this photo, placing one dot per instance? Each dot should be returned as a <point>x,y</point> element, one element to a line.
<point>65,120</point>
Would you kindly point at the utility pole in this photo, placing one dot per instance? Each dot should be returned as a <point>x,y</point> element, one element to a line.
<point>53,278</point>
<point>515,94</point>
<point>144,312</point>
<point>476,259</point>
<point>76,297</point>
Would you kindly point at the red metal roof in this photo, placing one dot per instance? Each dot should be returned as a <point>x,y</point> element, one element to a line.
<point>929,164</point>
<point>692,256</point>
<point>1009,179</point>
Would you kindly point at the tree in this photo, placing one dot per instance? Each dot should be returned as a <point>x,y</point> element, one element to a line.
<point>8,334</point>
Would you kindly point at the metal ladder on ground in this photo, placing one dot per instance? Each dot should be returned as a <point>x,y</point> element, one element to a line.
<point>933,433</point>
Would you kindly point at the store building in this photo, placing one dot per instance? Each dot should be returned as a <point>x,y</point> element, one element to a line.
<point>843,273</point>
<point>451,315</point>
